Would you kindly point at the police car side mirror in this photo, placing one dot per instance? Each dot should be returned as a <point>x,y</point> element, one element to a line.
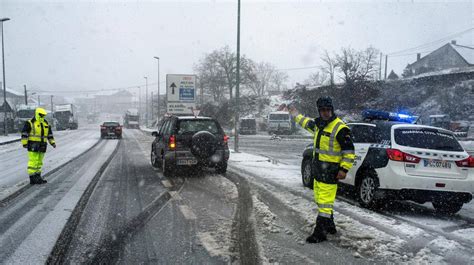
<point>155,134</point>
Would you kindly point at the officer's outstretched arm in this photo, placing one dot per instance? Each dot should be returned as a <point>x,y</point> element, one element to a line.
<point>306,123</point>
<point>347,148</point>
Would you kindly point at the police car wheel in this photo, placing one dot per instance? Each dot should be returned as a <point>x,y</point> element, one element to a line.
<point>447,207</point>
<point>306,173</point>
<point>366,191</point>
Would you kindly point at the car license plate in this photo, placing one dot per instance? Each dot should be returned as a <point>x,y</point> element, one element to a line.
<point>187,162</point>
<point>437,164</point>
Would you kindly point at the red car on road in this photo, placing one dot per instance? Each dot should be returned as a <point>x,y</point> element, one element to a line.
<point>111,129</point>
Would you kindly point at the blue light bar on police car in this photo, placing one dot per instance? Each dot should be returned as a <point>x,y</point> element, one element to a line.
<point>387,116</point>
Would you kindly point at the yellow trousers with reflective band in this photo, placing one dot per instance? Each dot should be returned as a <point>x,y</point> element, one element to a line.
<point>324,195</point>
<point>35,162</point>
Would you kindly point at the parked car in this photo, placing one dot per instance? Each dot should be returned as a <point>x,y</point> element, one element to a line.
<point>406,161</point>
<point>184,142</point>
<point>111,129</point>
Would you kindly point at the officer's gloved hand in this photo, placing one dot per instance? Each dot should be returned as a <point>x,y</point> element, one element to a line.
<point>54,145</point>
<point>25,146</point>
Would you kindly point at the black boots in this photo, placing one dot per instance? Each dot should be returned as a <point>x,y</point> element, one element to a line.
<point>331,226</point>
<point>37,179</point>
<point>319,233</point>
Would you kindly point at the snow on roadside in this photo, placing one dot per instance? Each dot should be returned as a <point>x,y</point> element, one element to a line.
<point>364,240</point>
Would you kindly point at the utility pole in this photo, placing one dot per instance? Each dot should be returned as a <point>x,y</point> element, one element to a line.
<point>237,85</point>
<point>26,95</point>
<point>386,60</point>
<point>52,109</point>
<point>158,104</point>
<point>5,131</point>
<point>140,113</point>
<point>146,101</point>
<point>380,67</point>
<point>152,108</point>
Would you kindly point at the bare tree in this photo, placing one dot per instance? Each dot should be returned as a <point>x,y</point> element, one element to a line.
<point>218,71</point>
<point>357,66</point>
<point>329,67</point>
<point>264,77</point>
<point>317,79</point>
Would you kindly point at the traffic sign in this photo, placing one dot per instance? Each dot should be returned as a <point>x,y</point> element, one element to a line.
<point>181,88</point>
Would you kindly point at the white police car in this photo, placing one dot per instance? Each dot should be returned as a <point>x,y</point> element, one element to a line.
<point>402,161</point>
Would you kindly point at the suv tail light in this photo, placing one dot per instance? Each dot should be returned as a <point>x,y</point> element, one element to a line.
<point>172,142</point>
<point>397,155</point>
<point>118,128</point>
<point>226,139</point>
<point>468,162</point>
<point>102,127</point>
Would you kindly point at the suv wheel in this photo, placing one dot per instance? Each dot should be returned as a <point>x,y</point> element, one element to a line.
<point>221,168</point>
<point>366,189</point>
<point>306,173</point>
<point>154,159</point>
<point>447,207</point>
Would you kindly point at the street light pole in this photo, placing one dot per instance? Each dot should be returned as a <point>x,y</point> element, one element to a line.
<point>146,101</point>
<point>4,84</point>
<point>237,93</point>
<point>158,105</point>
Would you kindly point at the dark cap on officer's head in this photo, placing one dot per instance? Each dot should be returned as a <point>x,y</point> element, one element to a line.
<point>324,102</point>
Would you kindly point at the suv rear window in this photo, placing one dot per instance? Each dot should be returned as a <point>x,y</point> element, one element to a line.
<point>111,124</point>
<point>427,138</point>
<point>193,126</point>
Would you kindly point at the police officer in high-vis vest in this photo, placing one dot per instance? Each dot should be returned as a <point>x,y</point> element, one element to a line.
<point>333,156</point>
<point>34,135</point>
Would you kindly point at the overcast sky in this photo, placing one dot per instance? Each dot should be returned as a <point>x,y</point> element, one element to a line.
<point>71,45</point>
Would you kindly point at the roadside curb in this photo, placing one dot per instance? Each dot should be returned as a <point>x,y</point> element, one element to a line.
<point>10,141</point>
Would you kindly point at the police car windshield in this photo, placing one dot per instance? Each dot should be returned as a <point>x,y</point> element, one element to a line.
<point>427,138</point>
<point>193,126</point>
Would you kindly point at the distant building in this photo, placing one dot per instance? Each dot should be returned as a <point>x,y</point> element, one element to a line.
<point>450,55</point>
<point>392,76</point>
<point>14,97</point>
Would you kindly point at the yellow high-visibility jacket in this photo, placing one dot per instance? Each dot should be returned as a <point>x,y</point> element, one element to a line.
<point>35,134</point>
<point>333,149</point>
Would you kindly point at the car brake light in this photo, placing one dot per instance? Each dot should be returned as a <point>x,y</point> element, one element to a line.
<point>226,139</point>
<point>172,143</point>
<point>397,155</point>
<point>102,127</point>
<point>468,162</point>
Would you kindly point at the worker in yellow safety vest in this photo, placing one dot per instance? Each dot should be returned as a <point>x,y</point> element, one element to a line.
<point>333,156</point>
<point>33,137</point>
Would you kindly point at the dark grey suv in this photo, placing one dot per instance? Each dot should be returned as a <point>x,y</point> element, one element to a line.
<point>187,141</point>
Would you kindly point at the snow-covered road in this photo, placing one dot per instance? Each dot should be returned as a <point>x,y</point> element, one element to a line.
<point>14,158</point>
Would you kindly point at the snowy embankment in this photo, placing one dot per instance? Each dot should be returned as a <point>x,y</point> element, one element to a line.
<point>366,233</point>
